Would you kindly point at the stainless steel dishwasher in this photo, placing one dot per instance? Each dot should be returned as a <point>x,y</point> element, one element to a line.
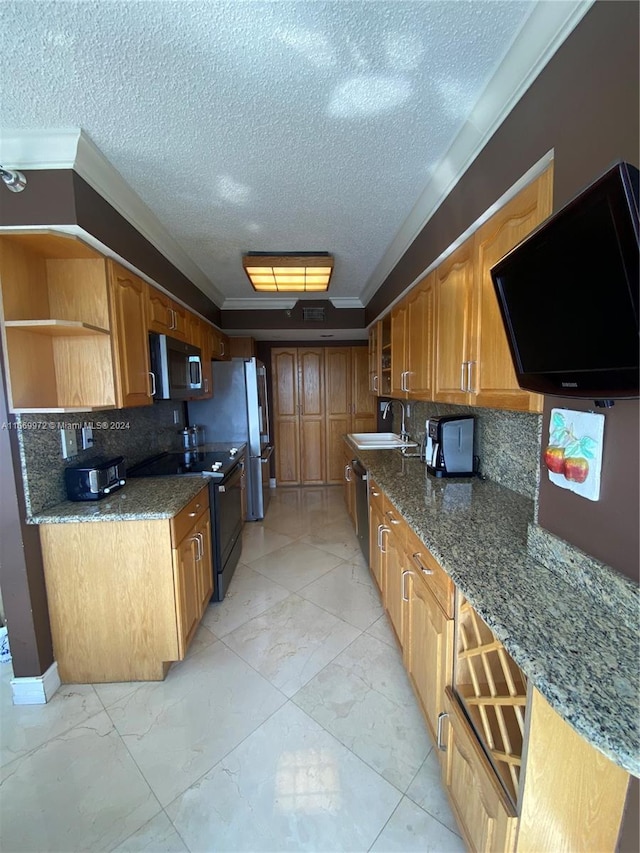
<point>362,506</point>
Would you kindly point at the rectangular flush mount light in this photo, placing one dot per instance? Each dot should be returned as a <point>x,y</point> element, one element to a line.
<point>288,272</point>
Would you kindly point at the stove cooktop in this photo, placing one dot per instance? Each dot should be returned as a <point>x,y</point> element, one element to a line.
<point>208,464</point>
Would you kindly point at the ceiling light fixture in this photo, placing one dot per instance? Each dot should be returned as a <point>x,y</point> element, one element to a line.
<point>15,181</point>
<point>288,272</point>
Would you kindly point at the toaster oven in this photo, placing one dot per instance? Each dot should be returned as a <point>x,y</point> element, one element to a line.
<point>96,478</point>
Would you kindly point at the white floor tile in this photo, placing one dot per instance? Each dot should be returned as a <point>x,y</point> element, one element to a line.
<point>178,729</point>
<point>290,786</point>
<point>80,791</point>
<point>25,727</point>
<point>336,537</point>
<point>291,642</point>
<point>348,592</point>
<point>157,836</point>
<point>249,595</point>
<point>428,792</point>
<point>295,565</point>
<point>258,540</point>
<point>412,830</point>
<point>362,698</point>
<point>381,630</point>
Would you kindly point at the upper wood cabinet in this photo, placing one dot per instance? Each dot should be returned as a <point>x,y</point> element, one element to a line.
<point>128,299</point>
<point>220,349</point>
<point>380,357</point>
<point>412,342</point>
<point>493,381</point>
<point>166,316</point>
<point>286,409</point>
<point>311,411</point>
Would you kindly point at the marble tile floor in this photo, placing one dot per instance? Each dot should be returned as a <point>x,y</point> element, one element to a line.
<point>290,725</point>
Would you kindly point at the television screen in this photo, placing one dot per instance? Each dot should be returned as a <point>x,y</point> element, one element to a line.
<point>569,295</point>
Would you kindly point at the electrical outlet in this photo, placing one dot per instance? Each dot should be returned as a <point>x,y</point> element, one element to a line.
<point>69,439</point>
<point>176,416</point>
<point>87,437</point>
<point>407,409</point>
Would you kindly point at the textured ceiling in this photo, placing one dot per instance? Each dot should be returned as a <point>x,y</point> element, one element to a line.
<point>261,125</point>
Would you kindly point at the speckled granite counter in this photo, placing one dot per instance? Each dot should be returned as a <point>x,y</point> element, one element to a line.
<point>146,498</point>
<point>580,650</point>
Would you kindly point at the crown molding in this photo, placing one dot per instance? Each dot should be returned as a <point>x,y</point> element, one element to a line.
<point>70,148</point>
<point>346,302</point>
<point>253,303</point>
<point>540,37</point>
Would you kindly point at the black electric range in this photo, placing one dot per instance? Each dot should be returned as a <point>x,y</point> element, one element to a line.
<point>224,469</point>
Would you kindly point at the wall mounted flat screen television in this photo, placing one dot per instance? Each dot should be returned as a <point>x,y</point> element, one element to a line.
<point>568,294</point>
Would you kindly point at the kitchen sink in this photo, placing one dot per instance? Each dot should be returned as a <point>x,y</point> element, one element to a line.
<point>379,441</point>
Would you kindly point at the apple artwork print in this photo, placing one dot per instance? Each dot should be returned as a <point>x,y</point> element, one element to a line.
<point>554,459</point>
<point>576,469</point>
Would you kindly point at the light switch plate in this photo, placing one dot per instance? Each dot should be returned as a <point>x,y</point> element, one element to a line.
<point>69,439</point>
<point>87,437</point>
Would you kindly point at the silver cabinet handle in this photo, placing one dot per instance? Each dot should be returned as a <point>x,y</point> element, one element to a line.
<point>196,539</point>
<point>406,381</point>
<point>383,530</point>
<point>375,381</point>
<point>469,367</point>
<point>201,538</point>
<point>404,574</point>
<point>206,386</point>
<point>221,347</point>
<point>347,471</point>
<point>416,559</point>
<point>393,520</point>
<point>153,384</point>
<point>462,366</point>
<point>441,717</point>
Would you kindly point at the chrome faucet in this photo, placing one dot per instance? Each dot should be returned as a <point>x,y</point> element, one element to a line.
<point>403,432</point>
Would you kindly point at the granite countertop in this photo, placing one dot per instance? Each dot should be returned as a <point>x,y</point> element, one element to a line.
<point>575,641</point>
<point>144,498</point>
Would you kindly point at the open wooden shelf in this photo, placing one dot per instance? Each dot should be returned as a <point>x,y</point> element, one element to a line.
<point>56,327</point>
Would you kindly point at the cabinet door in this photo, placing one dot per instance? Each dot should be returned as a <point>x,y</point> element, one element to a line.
<point>398,354</point>
<point>284,364</point>
<point>374,359</point>
<point>484,813</point>
<point>128,299</point>
<point>453,315</point>
<point>349,484</point>
<point>428,648</point>
<point>188,597</point>
<point>160,318</point>
<point>363,403</point>
<point>420,339</point>
<point>207,365</point>
<point>393,594</point>
<point>493,381</point>
<point>376,556</point>
<point>337,387</point>
<point>311,401</point>
<point>204,564</point>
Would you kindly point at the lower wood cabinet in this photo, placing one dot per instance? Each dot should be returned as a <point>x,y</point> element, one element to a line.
<point>349,486</point>
<point>518,777</point>
<point>125,597</point>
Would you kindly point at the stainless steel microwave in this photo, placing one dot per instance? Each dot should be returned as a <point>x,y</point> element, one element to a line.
<point>176,369</point>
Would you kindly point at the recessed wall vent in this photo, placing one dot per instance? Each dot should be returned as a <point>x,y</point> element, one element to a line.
<point>313,315</point>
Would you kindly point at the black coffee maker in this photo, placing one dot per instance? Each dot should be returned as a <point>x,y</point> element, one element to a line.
<point>450,446</point>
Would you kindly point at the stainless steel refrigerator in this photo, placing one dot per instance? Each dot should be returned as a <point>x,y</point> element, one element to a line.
<point>238,412</point>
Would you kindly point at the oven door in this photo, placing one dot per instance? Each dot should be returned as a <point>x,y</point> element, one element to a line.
<point>229,513</point>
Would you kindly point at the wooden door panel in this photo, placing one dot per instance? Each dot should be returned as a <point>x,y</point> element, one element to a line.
<point>453,307</point>
<point>337,382</point>
<point>312,452</point>
<point>398,344</point>
<point>310,382</point>
<point>288,451</point>
<point>337,428</point>
<point>128,295</point>
<point>420,339</point>
<point>362,400</point>
<point>285,383</point>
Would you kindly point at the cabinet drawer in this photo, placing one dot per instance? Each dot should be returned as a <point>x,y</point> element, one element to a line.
<point>376,497</point>
<point>182,523</point>
<point>438,581</point>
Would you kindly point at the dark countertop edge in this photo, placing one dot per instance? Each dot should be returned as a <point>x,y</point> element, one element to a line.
<point>555,694</point>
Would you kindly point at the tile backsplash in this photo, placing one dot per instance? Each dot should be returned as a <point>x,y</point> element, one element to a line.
<point>132,433</point>
<point>508,443</point>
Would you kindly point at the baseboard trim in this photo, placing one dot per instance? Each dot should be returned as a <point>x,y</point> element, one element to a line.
<point>36,690</point>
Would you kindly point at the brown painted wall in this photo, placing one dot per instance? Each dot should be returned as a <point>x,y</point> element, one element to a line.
<point>48,199</point>
<point>335,318</point>
<point>21,572</point>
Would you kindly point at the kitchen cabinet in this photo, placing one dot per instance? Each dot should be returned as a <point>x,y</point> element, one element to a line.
<point>125,597</point>
<point>166,316</point>
<point>349,486</point>
<point>242,348</point>
<point>473,363</point>
<point>128,299</point>
<point>412,342</point>
<point>349,406</point>
<point>380,357</point>
<point>493,381</point>
<point>220,349</point>
<point>207,365</point>
<point>56,325</point>
<point>298,412</point>
<point>376,526</point>
<point>392,547</point>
